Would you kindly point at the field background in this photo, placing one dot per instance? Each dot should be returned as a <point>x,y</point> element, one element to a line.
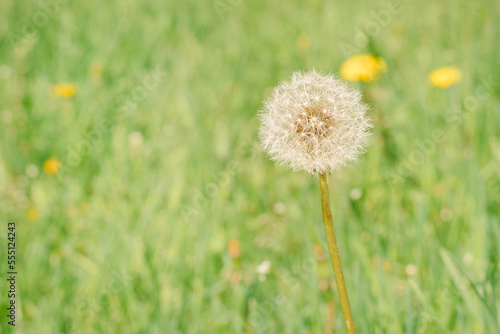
<point>132,234</point>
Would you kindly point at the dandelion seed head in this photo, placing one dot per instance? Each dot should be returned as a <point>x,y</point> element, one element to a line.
<point>314,123</point>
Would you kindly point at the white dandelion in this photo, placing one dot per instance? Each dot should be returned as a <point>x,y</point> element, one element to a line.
<point>314,122</point>
<point>317,123</point>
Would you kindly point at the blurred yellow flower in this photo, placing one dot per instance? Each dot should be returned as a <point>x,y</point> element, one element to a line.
<point>444,77</point>
<point>234,248</point>
<point>32,214</point>
<point>64,90</point>
<point>52,166</point>
<point>303,41</point>
<point>363,67</point>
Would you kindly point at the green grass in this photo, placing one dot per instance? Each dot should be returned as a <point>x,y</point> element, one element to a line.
<point>133,238</point>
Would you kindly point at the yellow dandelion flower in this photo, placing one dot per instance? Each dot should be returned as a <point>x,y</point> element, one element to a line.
<point>363,67</point>
<point>52,166</point>
<point>64,90</point>
<point>33,214</point>
<point>444,77</point>
<point>303,41</point>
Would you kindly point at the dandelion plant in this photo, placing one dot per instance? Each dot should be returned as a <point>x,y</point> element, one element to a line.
<point>317,123</point>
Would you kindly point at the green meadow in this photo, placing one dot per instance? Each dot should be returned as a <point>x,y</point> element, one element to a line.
<point>162,214</point>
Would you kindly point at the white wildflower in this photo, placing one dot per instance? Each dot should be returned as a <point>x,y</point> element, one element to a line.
<point>264,268</point>
<point>135,139</point>
<point>411,270</point>
<point>356,194</point>
<point>314,122</point>
<point>32,171</point>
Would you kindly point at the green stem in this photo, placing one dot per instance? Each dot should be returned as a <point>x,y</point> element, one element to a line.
<point>334,255</point>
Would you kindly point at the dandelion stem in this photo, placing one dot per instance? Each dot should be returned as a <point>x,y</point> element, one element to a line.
<point>334,255</point>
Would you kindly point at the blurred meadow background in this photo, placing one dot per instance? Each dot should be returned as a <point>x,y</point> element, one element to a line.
<point>131,165</point>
